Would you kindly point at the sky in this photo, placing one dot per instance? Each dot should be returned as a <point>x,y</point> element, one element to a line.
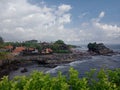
<point>74,21</point>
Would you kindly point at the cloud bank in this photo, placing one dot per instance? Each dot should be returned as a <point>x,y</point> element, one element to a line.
<point>21,20</point>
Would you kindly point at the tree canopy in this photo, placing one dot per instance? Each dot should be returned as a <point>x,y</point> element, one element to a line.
<point>59,42</point>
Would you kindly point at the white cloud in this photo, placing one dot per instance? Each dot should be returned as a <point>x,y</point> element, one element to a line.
<point>102,14</point>
<point>96,31</point>
<point>64,8</point>
<point>84,24</point>
<point>108,27</point>
<point>21,20</point>
<point>64,19</point>
<point>110,30</point>
<point>110,33</point>
<point>83,15</point>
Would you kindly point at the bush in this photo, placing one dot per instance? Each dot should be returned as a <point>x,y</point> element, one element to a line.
<point>102,80</point>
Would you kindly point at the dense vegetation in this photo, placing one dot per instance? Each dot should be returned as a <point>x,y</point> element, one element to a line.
<point>58,46</point>
<point>102,80</point>
<point>3,55</point>
<point>5,58</point>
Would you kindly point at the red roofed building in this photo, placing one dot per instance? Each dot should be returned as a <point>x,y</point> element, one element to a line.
<point>9,48</point>
<point>18,50</point>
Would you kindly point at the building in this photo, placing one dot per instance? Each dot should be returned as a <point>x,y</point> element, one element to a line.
<point>18,50</point>
<point>9,48</point>
<point>47,51</point>
<point>30,51</point>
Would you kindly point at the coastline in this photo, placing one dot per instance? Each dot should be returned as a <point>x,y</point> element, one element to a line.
<point>82,65</point>
<point>47,61</point>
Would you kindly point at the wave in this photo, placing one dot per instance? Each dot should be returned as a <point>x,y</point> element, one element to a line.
<point>65,66</point>
<point>58,68</point>
<point>77,62</point>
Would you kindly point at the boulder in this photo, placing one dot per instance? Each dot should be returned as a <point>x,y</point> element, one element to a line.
<point>24,70</point>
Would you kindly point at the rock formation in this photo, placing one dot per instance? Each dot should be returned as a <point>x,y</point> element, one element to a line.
<point>99,48</point>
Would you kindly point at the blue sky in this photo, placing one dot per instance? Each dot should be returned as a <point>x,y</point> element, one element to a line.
<point>90,8</point>
<point>74,21</point>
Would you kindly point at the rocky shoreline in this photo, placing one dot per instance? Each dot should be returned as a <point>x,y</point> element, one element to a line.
<point>50,61</point>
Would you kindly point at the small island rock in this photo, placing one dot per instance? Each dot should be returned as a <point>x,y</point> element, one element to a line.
<point>99,48</point>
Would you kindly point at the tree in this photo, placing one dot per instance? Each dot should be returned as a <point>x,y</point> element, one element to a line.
<point>92,46</point>
<point>59,42</point>
<point>60,47</point>
<point>1,40</point>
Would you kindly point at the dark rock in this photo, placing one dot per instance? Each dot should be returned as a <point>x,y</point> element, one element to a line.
<point>15,62</point>
<point>100,48</point>
<point>41,62</point>
<point>4,72</point>
<point>24,70</point>
<point>15,68</point>
<point>51,65</point>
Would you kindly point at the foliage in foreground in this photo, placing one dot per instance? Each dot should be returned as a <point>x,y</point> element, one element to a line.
<point>102,80</point>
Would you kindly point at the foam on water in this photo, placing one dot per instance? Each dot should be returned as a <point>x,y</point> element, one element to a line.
<point>77,62</point>
<point>66,66</point>
<point>58,68</point>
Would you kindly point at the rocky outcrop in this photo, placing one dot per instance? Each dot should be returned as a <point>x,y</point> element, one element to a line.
<point>6,68</point>
<point>100,49</point>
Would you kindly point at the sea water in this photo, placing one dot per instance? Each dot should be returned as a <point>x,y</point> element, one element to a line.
<point>96,62</point>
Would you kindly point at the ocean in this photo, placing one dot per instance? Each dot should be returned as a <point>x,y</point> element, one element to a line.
<point>96,62</point>
<point>82,66</point>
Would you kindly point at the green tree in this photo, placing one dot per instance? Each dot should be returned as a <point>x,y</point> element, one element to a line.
<point>59,42</point>
<point>92,46</point>
<point>60,47</point>
<point>1,40</point>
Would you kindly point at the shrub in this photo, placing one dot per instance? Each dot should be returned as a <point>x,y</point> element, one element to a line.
<point>102,80</point>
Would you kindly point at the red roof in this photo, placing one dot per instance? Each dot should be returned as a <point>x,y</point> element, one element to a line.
<point>9,47</point>
<point>19,49</point>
